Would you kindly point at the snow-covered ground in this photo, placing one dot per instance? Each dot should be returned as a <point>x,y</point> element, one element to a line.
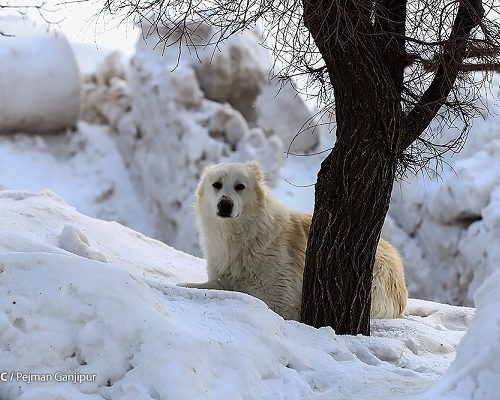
<point>85,296</point>
<point>89,296</point>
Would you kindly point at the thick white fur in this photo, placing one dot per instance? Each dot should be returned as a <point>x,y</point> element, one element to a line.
<point>260,249</point>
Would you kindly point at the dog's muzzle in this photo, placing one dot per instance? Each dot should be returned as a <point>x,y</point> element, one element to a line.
<point>225,207</point>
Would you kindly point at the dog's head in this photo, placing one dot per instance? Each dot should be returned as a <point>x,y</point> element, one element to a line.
<point>230,190</point>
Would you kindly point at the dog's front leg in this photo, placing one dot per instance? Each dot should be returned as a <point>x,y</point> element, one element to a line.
<point>202,285</point>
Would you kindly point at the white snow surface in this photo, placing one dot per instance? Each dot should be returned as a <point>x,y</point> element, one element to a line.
<point>162,128</point>
<point>474,373</point>
<point>84,296</point>
<point>39,78</point>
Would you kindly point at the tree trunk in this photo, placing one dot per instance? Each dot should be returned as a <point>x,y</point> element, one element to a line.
<point>355,181</point>
<point>364,53</point>
<point>352,197</point>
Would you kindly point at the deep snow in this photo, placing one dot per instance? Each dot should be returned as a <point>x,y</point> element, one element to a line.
<point>85,296</point>
<point>447,226</point>
<point>83,166</point>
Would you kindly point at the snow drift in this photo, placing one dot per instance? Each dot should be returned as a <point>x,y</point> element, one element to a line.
<point>174,118</point>
<point>238,72</point>
<point>84,296</point>
<point>474,373</point>
<point>84,166</point>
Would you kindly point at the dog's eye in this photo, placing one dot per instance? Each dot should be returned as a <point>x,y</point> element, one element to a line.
<point>239,187</point>
<point>217,185</point>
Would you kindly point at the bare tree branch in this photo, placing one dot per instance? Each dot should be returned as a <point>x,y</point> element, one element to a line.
<point>468,16</point>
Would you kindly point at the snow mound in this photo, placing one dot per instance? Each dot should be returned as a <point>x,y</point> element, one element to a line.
<point>43,222</point>
<point>236,72</point>
<point>232,73</point>
<point>474,373</point>
<point>446,227</point>
<point>168,132</point>
<point>84,166</point>
<point>39,78</point>
<point>95,300</point>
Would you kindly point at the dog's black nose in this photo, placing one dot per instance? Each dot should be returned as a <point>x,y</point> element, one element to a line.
<point>224,207</point>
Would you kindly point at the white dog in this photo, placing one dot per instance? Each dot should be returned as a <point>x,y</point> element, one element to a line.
<point>253,244</point>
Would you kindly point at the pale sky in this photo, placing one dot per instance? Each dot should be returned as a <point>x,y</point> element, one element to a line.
<point>77,20</point>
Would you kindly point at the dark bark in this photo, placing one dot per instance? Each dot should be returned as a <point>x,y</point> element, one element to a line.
<point>355,181</point>
<point>390,18</point>
<point>352,197</point>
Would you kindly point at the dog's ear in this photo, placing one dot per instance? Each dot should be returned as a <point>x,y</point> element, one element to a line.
<point>199,192</point>
<point>200,189</point>
<point>260,187</point>
<point>259,175</point>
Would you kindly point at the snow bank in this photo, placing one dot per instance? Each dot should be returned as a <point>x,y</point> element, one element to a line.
<point>176,115</point>
<point>84,166</point>
<point>237,72</point>
<point>86,297</point>
<point>233,73</point>
<point>163,121</point>
<point>43,222</point>
<point>168,123</point>
<point>474,373</point>
<point>447,227</point>
<point>296,124</point>
<point>39,78</point>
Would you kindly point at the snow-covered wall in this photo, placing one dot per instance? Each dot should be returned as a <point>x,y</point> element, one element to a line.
<point>39,78</point>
